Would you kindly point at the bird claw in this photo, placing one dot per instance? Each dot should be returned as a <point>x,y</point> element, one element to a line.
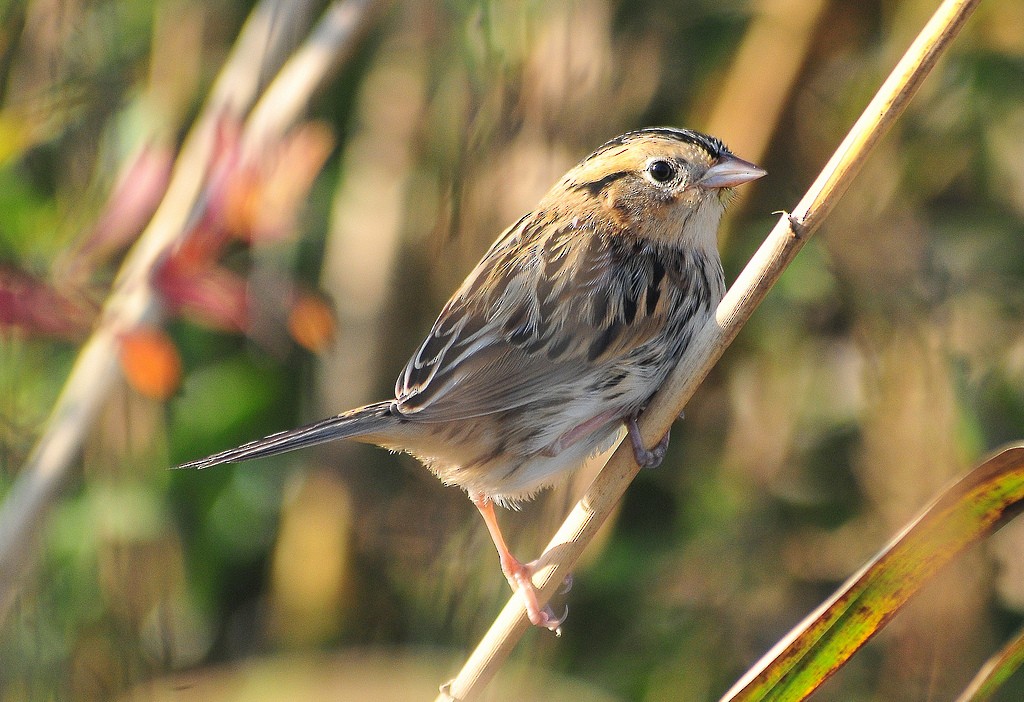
<point>520,578</point>
<point>566,585</point>
<point>645,457</point>
<point>552,623</point>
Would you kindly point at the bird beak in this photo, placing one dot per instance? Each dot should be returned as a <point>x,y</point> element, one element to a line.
<point>729,172</point>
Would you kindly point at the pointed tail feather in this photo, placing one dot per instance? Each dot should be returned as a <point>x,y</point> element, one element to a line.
<point>369,420</point>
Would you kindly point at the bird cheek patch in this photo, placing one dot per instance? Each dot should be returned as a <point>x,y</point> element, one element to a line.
<point>617,207</point>
<point>688,196</point>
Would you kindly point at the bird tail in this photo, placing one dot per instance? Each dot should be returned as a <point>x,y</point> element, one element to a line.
<point>362,423</point>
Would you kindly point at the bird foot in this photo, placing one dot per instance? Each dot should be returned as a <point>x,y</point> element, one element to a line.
<point>520,579</point>
<point>645,457</point>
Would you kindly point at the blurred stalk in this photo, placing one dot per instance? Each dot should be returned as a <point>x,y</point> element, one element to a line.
<point>763,73</point>
<point>264,41</point>
<point>367,216</point>
<point>329,45</point>
<point>358,273</point>
<point>783,243</point>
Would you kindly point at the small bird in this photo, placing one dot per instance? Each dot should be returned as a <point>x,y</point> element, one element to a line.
<point>560,335</point>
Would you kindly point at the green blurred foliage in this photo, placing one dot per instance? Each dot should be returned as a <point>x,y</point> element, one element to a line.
<point>887,360</point>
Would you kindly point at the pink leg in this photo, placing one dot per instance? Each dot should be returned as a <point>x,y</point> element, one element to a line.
<point>519,575</point>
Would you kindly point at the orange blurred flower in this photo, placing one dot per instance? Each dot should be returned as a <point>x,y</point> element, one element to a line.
<point>311,323</point>
<point>150,362</point>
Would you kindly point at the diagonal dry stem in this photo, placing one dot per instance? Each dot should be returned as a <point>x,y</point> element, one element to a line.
<point>764,269</point>
<point>265,41</point>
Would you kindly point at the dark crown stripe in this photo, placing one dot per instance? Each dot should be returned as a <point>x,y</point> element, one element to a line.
<point>713,146</point>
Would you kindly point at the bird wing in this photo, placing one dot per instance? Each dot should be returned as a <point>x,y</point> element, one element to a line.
<point>547,308</point>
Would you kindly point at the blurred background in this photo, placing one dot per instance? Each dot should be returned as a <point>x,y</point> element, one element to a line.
<point>888,360</point>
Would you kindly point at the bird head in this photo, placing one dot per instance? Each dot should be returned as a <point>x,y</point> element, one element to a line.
<point>663,184</point>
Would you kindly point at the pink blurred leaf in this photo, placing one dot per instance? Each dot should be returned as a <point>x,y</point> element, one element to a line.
<point>210,295</point>
<point>135,197</point>
<point>39,309</point>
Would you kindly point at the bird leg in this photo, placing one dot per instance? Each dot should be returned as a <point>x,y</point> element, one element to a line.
<point>645,457</point>
<point>519,575</point>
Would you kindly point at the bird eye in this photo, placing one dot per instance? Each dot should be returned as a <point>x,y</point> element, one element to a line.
<point>661,171</point>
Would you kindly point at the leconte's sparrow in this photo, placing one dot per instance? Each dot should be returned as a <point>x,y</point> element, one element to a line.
<point>561,334</point>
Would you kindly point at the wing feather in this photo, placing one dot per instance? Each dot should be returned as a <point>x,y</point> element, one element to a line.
<point>540,312</point>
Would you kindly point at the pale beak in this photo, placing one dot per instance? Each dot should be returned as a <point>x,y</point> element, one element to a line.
<point>729,172</point>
